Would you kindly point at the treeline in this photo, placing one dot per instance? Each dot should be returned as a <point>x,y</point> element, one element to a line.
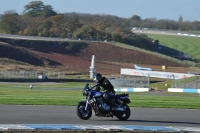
<point>38,19</point>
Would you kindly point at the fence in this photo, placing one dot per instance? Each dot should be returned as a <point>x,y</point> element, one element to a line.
<point>128,81</point>
<point>192,82</point>
<point>31,75</point>
<point>133,81</point>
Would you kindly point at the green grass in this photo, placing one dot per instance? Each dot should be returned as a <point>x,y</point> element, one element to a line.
<point>41,94</point>
<point>170,100</point>
<point>189,45</point>
<point>153,53</point>
<point>54,94</point>
<point>168,83</point>
<point>162,85</point>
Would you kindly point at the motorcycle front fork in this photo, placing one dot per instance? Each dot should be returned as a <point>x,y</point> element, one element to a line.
<point>87,102</point>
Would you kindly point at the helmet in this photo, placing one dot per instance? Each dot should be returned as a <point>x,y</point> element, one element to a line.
<point>97,77</point>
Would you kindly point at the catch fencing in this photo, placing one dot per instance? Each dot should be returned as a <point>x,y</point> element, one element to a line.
<point>192,82</point>
<point>144,82</point>
<point>123,81</point>
<point>132,81</point>
<point>31,75</point>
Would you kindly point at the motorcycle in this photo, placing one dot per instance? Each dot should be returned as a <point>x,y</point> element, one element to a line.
<point>96,103</point>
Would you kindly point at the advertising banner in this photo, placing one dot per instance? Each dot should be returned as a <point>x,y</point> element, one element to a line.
<point>155,74</point>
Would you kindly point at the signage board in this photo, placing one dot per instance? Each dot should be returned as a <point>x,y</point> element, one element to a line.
<point>155,74</point>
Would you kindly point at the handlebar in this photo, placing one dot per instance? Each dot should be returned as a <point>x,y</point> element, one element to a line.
<point>93,86</point>
<point>88,87</point>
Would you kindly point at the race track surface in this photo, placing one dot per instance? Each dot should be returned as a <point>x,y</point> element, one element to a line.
<point>33,114</point>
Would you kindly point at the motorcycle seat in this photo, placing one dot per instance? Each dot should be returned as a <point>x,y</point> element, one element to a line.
<point>121,95</point>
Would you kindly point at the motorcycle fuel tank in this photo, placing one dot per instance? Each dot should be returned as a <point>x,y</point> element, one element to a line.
<point>97,94</point>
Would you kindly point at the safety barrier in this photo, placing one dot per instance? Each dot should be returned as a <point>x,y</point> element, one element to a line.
<point>191,35</point>
<point>131,89</point>
<point>186,90</point>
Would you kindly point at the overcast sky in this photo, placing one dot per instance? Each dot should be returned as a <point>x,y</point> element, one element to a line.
<point>160,9</point>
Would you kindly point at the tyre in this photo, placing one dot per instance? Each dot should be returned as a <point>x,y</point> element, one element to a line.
<point>121,115</point>
<point>82,113</point>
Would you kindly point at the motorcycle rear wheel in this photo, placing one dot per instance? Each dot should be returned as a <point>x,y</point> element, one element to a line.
<point>123,115</point>
<point>82,113</point>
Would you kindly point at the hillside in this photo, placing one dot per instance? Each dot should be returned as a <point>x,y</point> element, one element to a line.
<point>179,46</point>
<point>76,57</point>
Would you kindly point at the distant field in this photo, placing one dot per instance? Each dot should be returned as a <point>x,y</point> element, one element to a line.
<point>189,45</point>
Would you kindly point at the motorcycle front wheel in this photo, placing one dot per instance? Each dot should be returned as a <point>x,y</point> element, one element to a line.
<point>82,113</point>
<point>123,115</point>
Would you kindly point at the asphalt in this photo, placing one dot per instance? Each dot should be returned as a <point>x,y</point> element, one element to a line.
<point>33,114</point>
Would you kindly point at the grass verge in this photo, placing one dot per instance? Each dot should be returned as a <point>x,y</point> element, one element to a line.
<point>67,95</point>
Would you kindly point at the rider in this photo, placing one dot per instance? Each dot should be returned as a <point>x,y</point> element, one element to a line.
<point>103,84</point>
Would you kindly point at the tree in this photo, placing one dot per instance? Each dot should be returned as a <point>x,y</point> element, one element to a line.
<point>185,26</point>
<point>48,11</point>
<point>136,18</point>
<point>195,25</point>
<point>148,23</point>
<point>116,37</point>
<point>85,32</point>
<point>34,8</point>
<point>44,28</point>
<point>180,22</point>
<point>136,21</point>
<point>9,23</point>
<point>37,8</point>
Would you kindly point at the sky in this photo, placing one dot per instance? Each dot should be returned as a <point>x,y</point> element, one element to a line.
<point>160,9</point>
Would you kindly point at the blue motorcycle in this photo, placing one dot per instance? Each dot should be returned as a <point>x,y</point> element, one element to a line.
<point>96,103</point>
